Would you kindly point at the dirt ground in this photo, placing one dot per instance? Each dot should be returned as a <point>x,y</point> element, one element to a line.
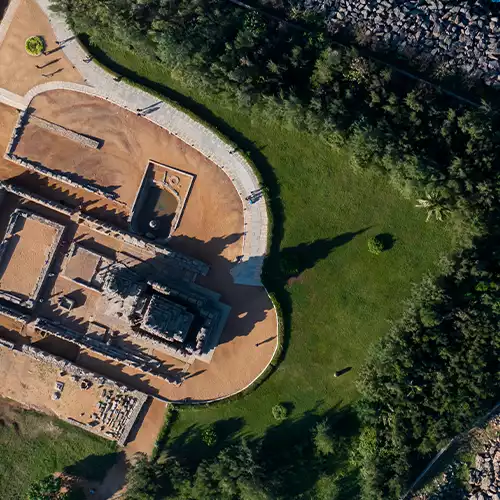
<point>145,439</point>
<point>211,230</point>
<point>25,257</point>
<point>31,383</point>
<point>18,70</point>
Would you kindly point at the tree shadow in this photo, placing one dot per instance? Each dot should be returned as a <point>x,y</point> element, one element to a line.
<point>93,467</point>
<point>295,260</point>
<point>287,453</point>
<point>190,448</point>
<point>387,240</point>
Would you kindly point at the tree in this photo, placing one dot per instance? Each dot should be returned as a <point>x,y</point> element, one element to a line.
<point>154,479</point>
<point>279,412</point>
<point>48,488</point>
<point>435,205</point>
<point>375,245</point>
<point>209,436</point>
<point>323,442</point>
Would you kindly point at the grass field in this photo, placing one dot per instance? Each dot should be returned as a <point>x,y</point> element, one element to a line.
<point>346,296</point>
<point>33,446</point>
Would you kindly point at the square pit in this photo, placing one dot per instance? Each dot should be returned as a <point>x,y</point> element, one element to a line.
<point>26,254</point>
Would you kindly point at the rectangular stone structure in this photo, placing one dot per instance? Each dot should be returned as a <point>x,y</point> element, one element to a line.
<point>26,254</point>
<point>167,319</point>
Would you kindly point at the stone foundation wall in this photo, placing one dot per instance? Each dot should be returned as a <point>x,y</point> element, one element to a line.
<point>106,229</point>
<point>21,193</point>
<point>65,365</point>
<point>64,132</point>
<point>458,36</point>
<point>48,261</point>
<point>15,315</point>
<point>57,176</point>
<point>141,362</point>
<point>162,346</point>
<point>109,230</point>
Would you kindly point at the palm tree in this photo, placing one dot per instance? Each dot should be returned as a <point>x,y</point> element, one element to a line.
<point>435,205</point>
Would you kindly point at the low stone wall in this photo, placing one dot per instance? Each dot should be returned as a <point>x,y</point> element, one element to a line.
<point>22,193</point>
<point>13,314</point>
<point>109,230</point>
<point>64,132</point>
<point>162,346</point>
<point>106,229</point>
<point>48,261</point>
<point>57,176</point>
<point>7,343</point>
<point>17,133</point>
<point>459,36</point>
<point>141,362</point>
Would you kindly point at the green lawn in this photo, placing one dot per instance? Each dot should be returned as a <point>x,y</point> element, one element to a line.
<point>345,301</point>
<point>33,446</point>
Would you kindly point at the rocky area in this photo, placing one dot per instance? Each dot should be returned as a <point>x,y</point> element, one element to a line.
<point>479,481</point>
<point>484,479</point>
<point>452,36</point>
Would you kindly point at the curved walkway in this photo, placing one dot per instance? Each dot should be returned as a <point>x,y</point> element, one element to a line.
<point>103,85</point>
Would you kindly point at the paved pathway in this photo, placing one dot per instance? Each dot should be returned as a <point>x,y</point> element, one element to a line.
<point>102,84</point>
<point>7,18</point>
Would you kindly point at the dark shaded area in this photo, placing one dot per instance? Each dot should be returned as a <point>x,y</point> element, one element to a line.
<point>3,7</point>
<point>159,206</point>
<point>191,448</point>
<point>42,66</point>
<point>295,260</point>
<point>93,467</point>
<point>343,371</point>
<point>270,339</point>
<point>286,453</point>
<point>65,195</point>
<point>387,240</point>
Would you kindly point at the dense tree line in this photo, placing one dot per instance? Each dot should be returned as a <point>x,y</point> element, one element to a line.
<point>434,373</point>
<point>243,472</point>
<point>438,367</point>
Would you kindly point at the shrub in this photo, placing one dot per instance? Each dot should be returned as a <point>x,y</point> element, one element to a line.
<point>279,412</point>
<point>35,45</point>
<point>209,436</point>
<point>323,442</point>
<point>47,488</point>
<point>375,245</point>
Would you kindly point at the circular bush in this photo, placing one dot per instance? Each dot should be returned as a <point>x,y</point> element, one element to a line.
<point>209,436</point>
<point>34,45</point>
<point>375,245</point>
<point>279,412</point>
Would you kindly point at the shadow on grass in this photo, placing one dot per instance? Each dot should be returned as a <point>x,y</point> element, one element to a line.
<point>189,446</point>
<point>295,260</point>
<point>387,240</point>
<point>286,453</point>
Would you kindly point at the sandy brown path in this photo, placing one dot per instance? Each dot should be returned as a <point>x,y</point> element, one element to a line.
<point>18,71</point>
<point>211,229</point>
